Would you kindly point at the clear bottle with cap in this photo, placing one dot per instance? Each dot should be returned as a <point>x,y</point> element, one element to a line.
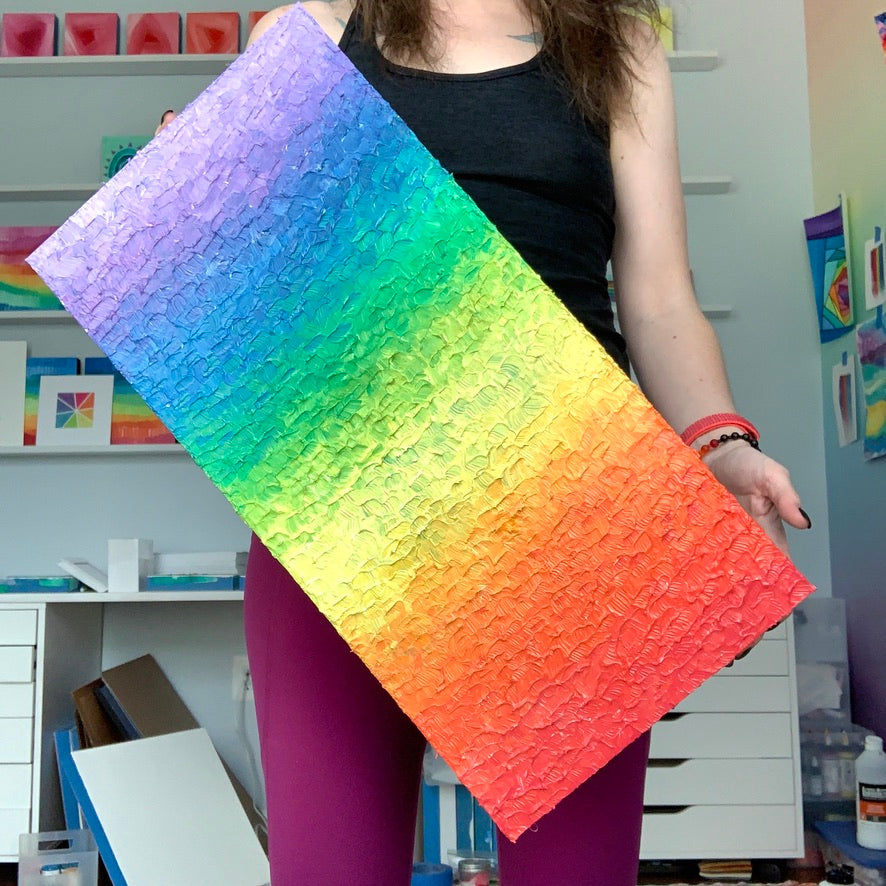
<point>474,871</point>
<point>870,798</point>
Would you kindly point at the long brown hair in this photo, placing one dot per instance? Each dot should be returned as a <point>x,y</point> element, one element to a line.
<point>589,40</point>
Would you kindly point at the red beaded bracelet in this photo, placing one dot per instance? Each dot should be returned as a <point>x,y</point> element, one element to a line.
<point>717,442</point>
<point>718,420</point>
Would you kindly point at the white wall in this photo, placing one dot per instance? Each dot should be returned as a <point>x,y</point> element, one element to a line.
<point>749,119</point>
<point>52,507</point>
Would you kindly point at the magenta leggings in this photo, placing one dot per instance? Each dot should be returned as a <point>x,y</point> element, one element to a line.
<point>342,766</point>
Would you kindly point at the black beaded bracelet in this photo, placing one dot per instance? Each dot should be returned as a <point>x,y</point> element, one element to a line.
<point>717,442</point>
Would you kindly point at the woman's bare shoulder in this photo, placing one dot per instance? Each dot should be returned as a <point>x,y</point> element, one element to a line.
<point>331,15</point>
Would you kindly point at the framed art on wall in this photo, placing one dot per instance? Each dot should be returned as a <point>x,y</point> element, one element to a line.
<point>75,410</point>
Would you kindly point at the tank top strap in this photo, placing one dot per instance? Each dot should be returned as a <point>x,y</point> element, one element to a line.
<point>353,32</point>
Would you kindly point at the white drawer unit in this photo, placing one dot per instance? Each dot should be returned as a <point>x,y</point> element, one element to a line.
<point>16,740</point>
<point>16,664</point>
<point>16,700</point>
<point>45,653</point>
<point>719,831</point>
<point>18,627</point>
<point>723,778</point>
<point>15,785</point>
<point>12,823</point>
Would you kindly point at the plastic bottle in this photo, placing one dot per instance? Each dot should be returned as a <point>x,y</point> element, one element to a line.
<point>870,798</point>
<point>846,761</point>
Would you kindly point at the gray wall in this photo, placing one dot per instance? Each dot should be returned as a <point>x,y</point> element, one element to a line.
<point>845,70</point>
<point>749,119</point>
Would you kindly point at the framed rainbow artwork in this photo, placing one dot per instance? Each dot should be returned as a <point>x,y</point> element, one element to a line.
<point>478,499</point>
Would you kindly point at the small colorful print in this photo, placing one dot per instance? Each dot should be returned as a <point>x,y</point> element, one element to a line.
<point>75,410</point>
<point>881,29</point>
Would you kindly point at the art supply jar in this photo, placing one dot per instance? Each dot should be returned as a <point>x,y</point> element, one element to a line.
<point>870,802</point>
<point>842,874</point>
<point>474,872</point>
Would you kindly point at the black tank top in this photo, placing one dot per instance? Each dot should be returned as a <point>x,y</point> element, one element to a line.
<point>516,144</point>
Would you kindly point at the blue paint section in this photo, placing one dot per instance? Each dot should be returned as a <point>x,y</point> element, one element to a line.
<point>464,818</point>
<point>484,830</point>
<point>72,776</point>
<point>431,812</point>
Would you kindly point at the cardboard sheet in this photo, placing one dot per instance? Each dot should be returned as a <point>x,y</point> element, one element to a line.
<point>480,501</point>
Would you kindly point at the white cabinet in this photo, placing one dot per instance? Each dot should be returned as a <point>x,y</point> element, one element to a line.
<point>42,658</point>
<point>723,778</point>
<point>57,645</point>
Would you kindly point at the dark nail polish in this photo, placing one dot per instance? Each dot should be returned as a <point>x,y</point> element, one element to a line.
<point>808,520</point>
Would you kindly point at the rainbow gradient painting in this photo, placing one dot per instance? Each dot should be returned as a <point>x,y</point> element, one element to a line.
<point>20,288</point>
<point>480,501</point>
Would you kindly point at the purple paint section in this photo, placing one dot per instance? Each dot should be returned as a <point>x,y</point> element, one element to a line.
<point>825,225</point>
<point>145,223</point>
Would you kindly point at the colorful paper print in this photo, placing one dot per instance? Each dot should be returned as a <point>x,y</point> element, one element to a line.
<point>91,33</point>
<point>479,500</point>
<point>843,392</point>
<point>21,289</point>
<point>874,272</point>
<point>212,32</point>
<point>74,410</point>
<point>880,21</point>
<point>27,34</point>
<point>826,239</point>
<point>871,338</point>
<point>132,420</point>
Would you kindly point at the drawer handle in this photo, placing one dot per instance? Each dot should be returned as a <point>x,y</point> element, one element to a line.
<point>666,763</point>
<point>664,810</point>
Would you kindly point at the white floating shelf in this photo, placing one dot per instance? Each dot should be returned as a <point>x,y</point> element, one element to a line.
<point>714,311</point>
<point>161,449</point>
<point>35,317</point>
<point>176,65</point>
<point>707,184</point>
<point>711,311</point>
<point>693,60</point>
<point>42,193</point>
<point>114,65</point>
<point>88,597</point>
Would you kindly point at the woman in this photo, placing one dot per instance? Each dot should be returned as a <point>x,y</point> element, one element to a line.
<point>557,117</point>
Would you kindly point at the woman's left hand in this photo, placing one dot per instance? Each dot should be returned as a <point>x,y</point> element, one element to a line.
<point>762,486</point>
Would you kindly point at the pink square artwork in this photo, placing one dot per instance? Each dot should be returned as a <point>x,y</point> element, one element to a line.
<point>209,33</point>
<point>27,34</point>
<point>254,17</point>
<point>91,33</point>
<point>153,33</point>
